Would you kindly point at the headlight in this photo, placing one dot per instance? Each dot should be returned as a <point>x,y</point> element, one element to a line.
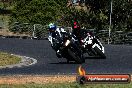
<point>67,42</point>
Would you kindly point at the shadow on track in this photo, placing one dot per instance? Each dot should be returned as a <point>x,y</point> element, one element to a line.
<point>72,62</point>
<point>64,63</point>
<point>92,57</point>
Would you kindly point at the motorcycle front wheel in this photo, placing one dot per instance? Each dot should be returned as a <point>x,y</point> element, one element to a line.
<point>99,52</point>
<point>78,58</point>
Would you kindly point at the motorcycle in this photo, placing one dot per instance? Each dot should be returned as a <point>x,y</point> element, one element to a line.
<point>67,46</point>
<point>70,49</point>
<point>92,45</point>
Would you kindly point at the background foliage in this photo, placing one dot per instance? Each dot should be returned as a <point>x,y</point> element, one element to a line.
<point>95,16</point>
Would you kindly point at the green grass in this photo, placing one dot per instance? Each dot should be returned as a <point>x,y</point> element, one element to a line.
<point>7,59</point>
<point>68,85</point>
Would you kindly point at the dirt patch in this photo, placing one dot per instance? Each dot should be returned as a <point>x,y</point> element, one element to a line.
<point>6,32</point>
<point>39,79</point>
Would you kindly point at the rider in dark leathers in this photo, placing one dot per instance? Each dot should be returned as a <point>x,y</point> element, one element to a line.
<point>76,29</point>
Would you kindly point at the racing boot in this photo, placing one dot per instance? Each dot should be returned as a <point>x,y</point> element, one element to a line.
<point>58,54</point>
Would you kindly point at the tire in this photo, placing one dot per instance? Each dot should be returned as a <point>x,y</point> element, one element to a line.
<point>99,52</point>
<point>77,58</point>
<point>91,53</point>
<point>66,55</point>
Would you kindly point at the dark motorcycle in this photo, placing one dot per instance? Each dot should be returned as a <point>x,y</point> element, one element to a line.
<point>68,47</point>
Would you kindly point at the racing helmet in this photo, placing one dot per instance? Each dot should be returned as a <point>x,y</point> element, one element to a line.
<point>75,24</point>
<point>52,27</point>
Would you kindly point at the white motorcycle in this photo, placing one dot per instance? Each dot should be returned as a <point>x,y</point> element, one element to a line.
<point>92,45</point>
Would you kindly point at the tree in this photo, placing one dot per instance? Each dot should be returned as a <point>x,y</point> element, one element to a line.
<point>37,11</point>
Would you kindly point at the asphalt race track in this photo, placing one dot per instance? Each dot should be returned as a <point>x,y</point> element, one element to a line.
<point>119,59</point>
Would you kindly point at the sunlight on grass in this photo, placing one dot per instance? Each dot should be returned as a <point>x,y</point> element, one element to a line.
<point>8,59</point>
<point>67,85</point>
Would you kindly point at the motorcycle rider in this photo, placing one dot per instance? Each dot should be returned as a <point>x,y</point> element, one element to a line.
<point>52,29</point>
<point>55,32</point>
<point>76,29</point>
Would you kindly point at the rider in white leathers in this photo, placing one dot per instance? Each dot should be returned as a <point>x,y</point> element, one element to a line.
<point>53,31</point>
